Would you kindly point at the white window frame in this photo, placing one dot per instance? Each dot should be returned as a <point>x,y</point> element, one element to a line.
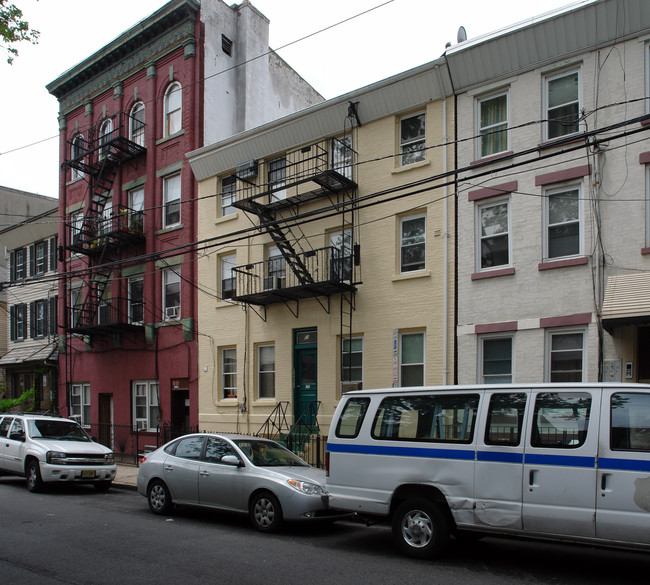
<point>558,190</point>
<point>549,335</point>
<point>228,372</point>
<point>340,243</point>
<point>40,324</point>
<point>134,302</point>
<point>547,80</point>
<point>76,303</point>
<point>277,178</point>
<point>171,276</point>
<point>41,257</point>
<point>265,372</point>
<point>19,325</point>
<point>136,206</point>
<point>171,199</point>
<point>403,364</point>
<point>276,269</point>
<point>105,131</point>
<point>351,380</point>
<point>417,154</point>
<point>480,236</point>
<point>75,148</point>
<point>403,244</point>
<point>485,378</point>
<point>342,156</point>
<point>20,266</point>
<point>80,410</point>
<point>137,123</point>
<point>228,196</point>
<point>145,402</point>
<point>173,112</point>
<point>492,128</point>
<point>226,264</point>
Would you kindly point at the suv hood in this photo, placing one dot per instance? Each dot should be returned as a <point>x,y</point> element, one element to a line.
<point>80,447</point>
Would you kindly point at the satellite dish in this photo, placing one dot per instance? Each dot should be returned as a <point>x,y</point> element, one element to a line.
<point>462,34</point>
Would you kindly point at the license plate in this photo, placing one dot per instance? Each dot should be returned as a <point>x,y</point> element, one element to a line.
<point>88,473</point>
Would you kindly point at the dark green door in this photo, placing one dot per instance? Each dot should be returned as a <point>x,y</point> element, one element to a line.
<point>305,390</point>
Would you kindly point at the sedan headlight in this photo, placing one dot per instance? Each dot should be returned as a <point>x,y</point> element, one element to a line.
<point>56,457</point>
<point>305,487</point>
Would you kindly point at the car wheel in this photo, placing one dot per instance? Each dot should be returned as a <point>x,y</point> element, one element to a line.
<point>265,512</point>
<point>420,529</point>
<point>159,498</point>
<point>34,479</point>
<point>102,486</point>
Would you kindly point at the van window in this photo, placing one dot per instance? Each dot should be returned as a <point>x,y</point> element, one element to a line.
<point>505,419</point>
<point>630,422</point>
<point>427,418</point>
<point>561,419</point>
<point>352,417</point>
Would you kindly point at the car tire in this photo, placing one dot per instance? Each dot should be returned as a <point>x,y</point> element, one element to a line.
<point>102,486</point>
<point>265,512</point>
<point>34,479</point>
<point>159,498</point>
<point>420,529</point>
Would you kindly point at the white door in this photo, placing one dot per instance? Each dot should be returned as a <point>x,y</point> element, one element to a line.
<point>560,463</point>
<point>623,485</point>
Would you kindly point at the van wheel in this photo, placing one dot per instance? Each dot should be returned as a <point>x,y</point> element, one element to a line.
<point>34,479</point>
<point>420,529</point>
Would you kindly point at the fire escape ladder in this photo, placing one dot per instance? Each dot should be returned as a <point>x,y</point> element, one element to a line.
<point>94,294</point>
<point>279,236</point>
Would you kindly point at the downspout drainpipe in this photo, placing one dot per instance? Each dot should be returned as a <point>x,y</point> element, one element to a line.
<point>445,235</point>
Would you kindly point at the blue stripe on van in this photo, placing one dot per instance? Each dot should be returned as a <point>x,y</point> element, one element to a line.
<point>560,460</point>
<point>431,453</point>
<point>500,457</point>
<point>624,464</point>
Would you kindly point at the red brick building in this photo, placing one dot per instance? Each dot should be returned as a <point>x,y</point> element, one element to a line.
<point>128,319</point>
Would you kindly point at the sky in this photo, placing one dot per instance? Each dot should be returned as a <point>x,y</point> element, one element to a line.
<point>386,38</point>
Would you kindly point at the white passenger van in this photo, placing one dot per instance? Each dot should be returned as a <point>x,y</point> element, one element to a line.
<point>565,462</point>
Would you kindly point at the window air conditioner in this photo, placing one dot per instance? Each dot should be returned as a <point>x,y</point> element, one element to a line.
<point>172,312</point>
<point>247,170</point>
<point>140,425</point>
<point>273,283</point>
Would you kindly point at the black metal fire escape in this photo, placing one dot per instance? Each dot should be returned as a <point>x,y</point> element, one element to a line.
<point>98,157</point>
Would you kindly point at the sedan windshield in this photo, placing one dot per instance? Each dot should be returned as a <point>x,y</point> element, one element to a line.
<point>57,429</point>
<point>268,454</point>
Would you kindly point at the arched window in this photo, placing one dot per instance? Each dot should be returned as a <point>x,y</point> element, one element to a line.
<point>105,131</point>
<point>173,109</point>
<point>136,124</point>
<point>76,154</point>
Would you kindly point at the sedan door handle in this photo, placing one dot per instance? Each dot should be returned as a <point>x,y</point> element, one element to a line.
<point>169,468</point>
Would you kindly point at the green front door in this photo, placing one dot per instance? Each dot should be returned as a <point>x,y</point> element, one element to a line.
<point>305,388</point>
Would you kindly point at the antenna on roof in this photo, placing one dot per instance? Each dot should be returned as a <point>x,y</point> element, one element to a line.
<point>462,34</point>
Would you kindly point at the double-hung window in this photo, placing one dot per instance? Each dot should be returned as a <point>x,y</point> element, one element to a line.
<point>145,405</point>
<point>276,269</point>
<point>562,104</point>
<point>227,263</point>
<point>38,317</point>
<point>352,362</point>
<point>136,299</point>
<point>563,219</point>
<point>19,264</point>
<point>342,156</point>
<point>493,124</point>
<point>172,200</point>
<point>172,293</point>
<point>136,124</point>
<point>173,110</point>
<point>18,317</point>
<point>80,403</point>
<point>105,137</point>
<point>412,243</point>
<point>39,259</point>
<point>229,372</point>
<point>565,355</point>
<point>77,152</point>
<point>494,234</point>
<point>412,139</point>
<point>277,179</point>
<point>412,359</point>
<point>341,256</point>
<point>136,205</point>
<point>228,195</point>
<point>266,371</point>
<point>495,360</point>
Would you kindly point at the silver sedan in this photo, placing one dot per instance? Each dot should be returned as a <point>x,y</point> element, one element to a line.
<point>234,472</point>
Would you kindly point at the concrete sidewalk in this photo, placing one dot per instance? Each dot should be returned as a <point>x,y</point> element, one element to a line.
<point>126,477</point>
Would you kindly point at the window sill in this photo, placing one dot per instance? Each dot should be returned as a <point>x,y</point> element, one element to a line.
<point>412,166</point>
<point>495,273</point>
<point>411,275</point>
<point>170,137</point>
<point>552,264</point>
<point>645,251</point>
<point>171,228</point>
<point>491,158</point>
<point>226,218</point>
<point>567,139</point>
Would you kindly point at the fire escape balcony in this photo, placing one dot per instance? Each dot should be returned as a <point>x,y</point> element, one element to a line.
<point>312,171</point>
<point>327,272</point>
<point>94,234</point>
<point>110,316</point>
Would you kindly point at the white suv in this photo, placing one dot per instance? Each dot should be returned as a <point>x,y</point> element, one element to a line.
<point>49,449</point>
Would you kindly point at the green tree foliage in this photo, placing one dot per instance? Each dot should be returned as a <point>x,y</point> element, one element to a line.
<point>14,29</point>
